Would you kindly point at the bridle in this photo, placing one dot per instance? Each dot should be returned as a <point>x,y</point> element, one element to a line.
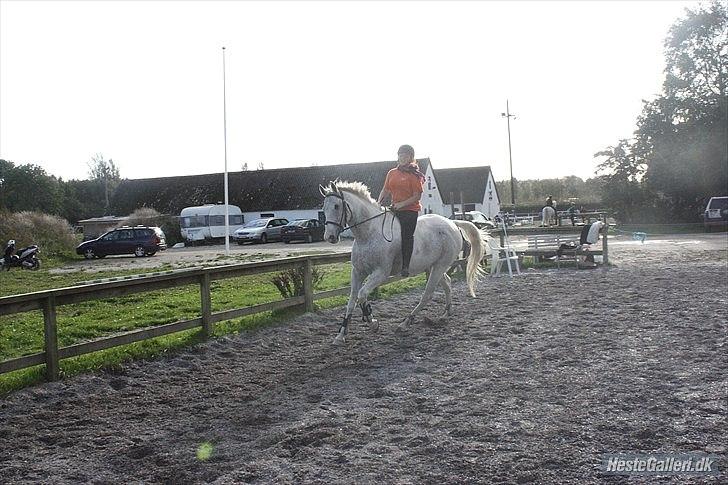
<point>346,213</point>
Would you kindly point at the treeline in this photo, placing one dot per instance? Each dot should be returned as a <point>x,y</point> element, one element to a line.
<point>28,187</point>
<point>532,194</point>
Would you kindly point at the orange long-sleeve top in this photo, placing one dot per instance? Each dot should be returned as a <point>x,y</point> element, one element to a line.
<point>402,186</point>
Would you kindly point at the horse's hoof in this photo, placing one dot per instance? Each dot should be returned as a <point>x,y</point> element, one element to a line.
<point>374,325</point>
<point>340,337</point>
<point>404,326</point>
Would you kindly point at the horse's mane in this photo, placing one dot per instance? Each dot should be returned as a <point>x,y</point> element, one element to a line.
<point>356,188</point>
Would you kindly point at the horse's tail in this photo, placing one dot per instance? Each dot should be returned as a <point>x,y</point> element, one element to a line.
<point>477,252</point>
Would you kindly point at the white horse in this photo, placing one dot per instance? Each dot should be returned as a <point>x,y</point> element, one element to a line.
<point>376,253</point>
<point>548,214</point>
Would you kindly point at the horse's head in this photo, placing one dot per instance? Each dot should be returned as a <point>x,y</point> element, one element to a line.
<point>335,210</point>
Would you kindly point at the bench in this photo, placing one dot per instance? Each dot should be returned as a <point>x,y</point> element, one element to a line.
<point>541,246</point>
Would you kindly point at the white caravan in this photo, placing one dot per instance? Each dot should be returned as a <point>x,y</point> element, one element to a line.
<point>206,222</point>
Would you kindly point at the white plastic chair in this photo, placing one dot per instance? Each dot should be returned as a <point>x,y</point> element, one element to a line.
<point>500,255</point>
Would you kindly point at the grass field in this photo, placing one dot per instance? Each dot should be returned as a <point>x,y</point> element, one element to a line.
<point>22,334</point>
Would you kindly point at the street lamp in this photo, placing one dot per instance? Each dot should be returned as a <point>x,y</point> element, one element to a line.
<point>508,115</point>
<point>224,129</point>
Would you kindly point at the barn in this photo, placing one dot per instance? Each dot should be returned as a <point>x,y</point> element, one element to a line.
<point>293,192</point>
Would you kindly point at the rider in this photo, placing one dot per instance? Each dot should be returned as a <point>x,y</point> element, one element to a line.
<point>550,202</point>
<point>404,185</point>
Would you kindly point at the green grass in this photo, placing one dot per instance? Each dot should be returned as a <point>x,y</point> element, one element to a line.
<point>22,333</point>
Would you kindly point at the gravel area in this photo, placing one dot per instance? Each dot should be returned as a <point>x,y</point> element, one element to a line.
<point>532,381</point>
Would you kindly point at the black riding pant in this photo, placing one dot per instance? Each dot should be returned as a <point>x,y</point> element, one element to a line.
<point>408,223</point>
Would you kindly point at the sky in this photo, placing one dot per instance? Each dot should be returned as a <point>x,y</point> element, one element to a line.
<point>321,83</point>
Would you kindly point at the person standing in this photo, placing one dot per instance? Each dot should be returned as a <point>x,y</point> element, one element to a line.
<point>404,185</point>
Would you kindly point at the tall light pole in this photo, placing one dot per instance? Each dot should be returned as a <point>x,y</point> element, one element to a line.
<point>224,129</point>
<point>507,115</point>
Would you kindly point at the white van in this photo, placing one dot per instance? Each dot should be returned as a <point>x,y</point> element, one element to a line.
<point>716,213</point>
<point>207,222</point>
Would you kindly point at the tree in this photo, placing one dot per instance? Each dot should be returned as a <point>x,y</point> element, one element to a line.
<point>107,174</point>
<point>5,168</point>
<point>621,185</point>
<point>681,142</point>
<point>28,188</point>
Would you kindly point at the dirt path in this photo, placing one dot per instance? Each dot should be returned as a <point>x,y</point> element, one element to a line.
<point>530,382</point>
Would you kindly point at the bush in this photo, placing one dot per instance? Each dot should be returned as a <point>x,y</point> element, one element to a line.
<point>290,282</point>
<point>147,216</point>
<point>53,234</point>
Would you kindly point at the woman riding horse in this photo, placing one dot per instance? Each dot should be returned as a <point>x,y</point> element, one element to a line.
<point>404,185</point>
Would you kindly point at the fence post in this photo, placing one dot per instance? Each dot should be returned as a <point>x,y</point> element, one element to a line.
<point>207,325</point>
<point>51,338</point>
<point>308,284</point>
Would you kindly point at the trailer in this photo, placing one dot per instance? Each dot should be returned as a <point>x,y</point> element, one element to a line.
<point>207,222</point>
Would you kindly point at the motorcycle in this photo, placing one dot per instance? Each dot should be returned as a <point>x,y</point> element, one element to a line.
<point>26,258</point>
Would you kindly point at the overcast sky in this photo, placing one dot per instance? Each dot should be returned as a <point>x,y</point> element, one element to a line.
<point>324,82</point>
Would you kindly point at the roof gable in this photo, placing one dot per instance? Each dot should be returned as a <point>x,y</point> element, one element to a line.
<point>471,181</point>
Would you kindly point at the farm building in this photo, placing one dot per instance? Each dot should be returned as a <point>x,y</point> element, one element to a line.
<point>293,192</point>
<point>94,227</point>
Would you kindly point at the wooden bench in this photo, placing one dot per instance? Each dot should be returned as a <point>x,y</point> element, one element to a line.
<point>541,246</point>
<point>564,232</point>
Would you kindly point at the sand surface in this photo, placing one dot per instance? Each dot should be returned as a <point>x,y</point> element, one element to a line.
<point>530,382</point>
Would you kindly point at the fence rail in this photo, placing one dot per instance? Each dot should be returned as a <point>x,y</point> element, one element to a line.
<point>49,300</point>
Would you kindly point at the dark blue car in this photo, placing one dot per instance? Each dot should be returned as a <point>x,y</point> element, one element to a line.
<point>139,241</point>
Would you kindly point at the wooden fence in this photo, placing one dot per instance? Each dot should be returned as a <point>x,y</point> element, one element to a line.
<point>49,300</point>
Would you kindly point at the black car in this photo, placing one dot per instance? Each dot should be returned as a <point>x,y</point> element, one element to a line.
<point>308,230</point>
<point>139,241</point>
<point>480,220</point>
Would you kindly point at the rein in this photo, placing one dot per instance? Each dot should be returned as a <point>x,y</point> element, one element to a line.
<point>342,224</point>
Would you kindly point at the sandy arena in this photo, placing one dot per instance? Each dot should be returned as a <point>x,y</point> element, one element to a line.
<point>530,382</point>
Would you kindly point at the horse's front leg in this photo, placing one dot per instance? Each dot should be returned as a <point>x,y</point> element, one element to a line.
<point>356,282</point>
<point>373,281</point>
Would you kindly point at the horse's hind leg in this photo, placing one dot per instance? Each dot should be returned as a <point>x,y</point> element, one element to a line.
<point>432,282</point>
<point>445,284</point>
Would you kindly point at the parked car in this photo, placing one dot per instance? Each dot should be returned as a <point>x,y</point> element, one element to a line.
<point>716,213</point>
<point>139,241</point>
<point>308,230</point>
<point>260,230</point>
<point>480,220</point>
